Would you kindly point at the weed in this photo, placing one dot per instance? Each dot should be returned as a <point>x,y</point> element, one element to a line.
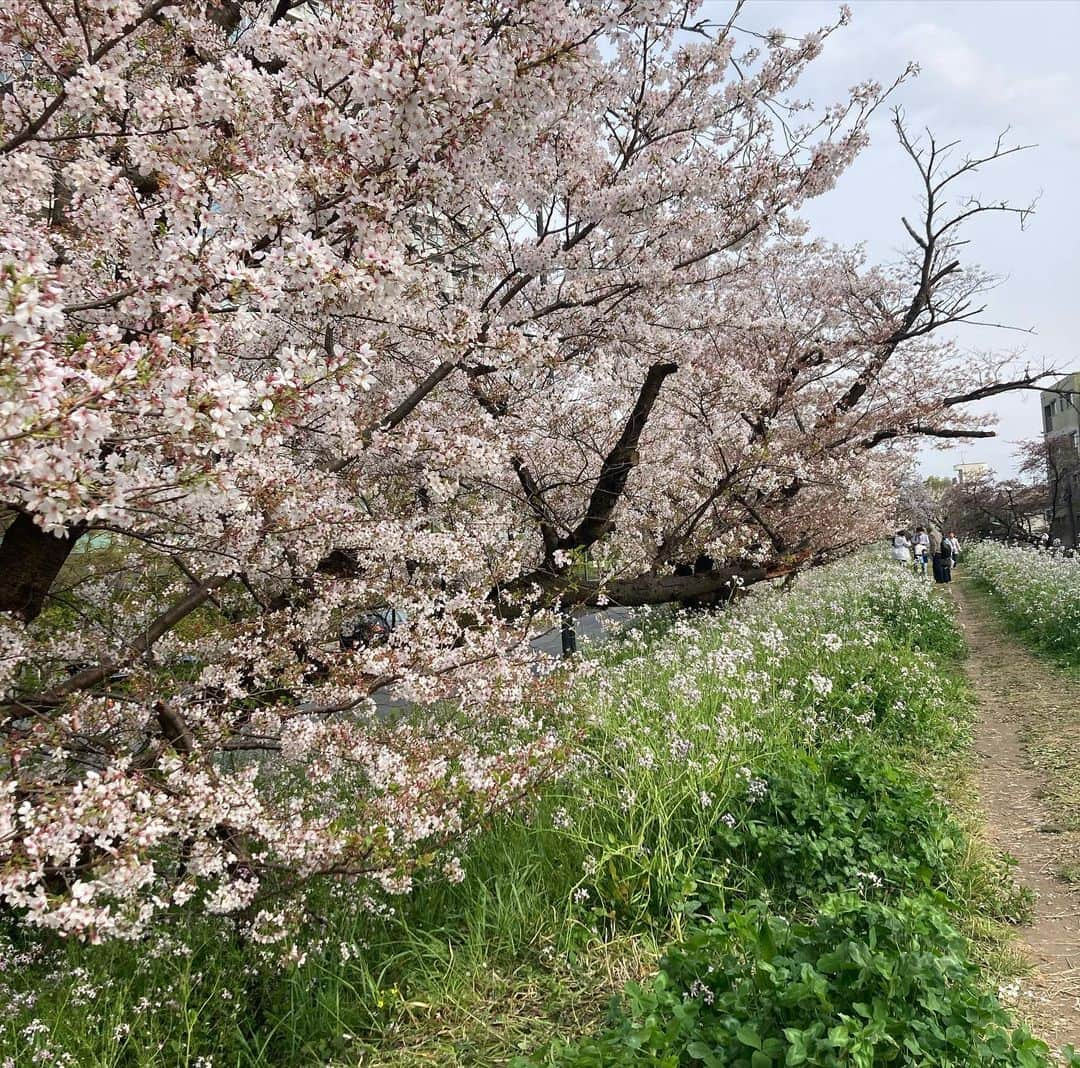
<point>856,983</point>
<point>776,767</point>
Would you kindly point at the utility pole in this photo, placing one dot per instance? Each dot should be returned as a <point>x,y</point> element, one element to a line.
<point>1069,504</point>
<point>569,634</point>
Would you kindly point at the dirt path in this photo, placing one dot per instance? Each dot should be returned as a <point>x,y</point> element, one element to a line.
<point>1028,748</point>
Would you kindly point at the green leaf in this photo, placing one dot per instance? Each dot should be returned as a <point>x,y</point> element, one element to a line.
<point>747,1034</point>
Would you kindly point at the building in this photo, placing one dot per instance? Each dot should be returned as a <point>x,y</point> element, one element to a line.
<point>971,472</point>
<point>1061,434</point>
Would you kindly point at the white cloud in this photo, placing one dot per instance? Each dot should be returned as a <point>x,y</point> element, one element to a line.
<point>978,87</point>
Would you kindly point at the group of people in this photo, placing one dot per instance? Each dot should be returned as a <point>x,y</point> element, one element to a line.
<point>924,547</point>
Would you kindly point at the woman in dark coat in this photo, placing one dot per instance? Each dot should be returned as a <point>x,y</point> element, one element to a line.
<point>942,559</point>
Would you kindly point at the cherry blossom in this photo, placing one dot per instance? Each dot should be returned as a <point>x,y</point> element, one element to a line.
<point>475,313</point>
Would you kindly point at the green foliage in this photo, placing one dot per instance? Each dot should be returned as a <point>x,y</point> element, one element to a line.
<point>859,983</point>
<point>844,821</point>
<point>762,770</point>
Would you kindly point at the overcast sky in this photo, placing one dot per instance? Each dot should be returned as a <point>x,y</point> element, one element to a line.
<point>984,66</point>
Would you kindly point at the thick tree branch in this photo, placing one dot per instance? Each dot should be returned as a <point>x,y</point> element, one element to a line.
<point>1029,381</point>
<point>917,430</point>
<point>618,464</point>
<point>197,596</point>
<point>400,412</point>
<point>543,588</point>
<point>541,512</point>
<point>30,560</point>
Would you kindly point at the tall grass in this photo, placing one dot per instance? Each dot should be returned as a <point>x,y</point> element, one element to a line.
<point>706,755</point>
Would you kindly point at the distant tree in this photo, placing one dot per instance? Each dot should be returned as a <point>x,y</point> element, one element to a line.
<point>1024,507</point>
<point>984,507</point>
<point>926,501</point>
<point>1054,464</point>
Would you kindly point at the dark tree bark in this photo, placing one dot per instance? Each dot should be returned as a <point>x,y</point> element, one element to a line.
<point>30,560</point>
<point>618,464</point>
<point>699,589</point>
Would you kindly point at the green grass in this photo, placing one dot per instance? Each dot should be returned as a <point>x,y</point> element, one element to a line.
<point>854,982</point>
<point>787,766</point>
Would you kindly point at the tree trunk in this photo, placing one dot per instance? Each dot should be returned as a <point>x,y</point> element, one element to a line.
<point>30,560</point>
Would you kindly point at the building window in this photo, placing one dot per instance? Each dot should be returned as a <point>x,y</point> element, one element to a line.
<point>1048,417</point>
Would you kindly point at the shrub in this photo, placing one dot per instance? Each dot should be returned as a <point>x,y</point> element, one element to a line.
<point>858,984</point>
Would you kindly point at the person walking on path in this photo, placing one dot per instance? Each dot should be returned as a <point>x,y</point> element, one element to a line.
<point>942,555</point>
<point>954,545</point>
<point>921,548</point>
<point>901,547</point>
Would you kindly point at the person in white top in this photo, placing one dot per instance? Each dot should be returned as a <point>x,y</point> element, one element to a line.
<point>901,547</point>
<point>953,542</point>
<point>921,548</point>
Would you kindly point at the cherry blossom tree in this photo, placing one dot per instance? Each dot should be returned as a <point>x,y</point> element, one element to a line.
<point>927,502</point>
<point>1032,506</point>
<point>311,308</point>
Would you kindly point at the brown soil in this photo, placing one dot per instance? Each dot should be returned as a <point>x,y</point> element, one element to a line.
<point>1027,744</point>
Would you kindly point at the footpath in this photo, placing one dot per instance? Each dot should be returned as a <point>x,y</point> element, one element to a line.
<point>1027,744</point>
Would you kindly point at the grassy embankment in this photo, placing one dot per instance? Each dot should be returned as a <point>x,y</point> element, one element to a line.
<point>752,860</point>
